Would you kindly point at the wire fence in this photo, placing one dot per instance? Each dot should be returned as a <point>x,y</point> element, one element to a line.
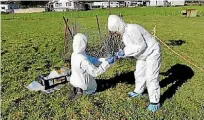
<point>100,43</point>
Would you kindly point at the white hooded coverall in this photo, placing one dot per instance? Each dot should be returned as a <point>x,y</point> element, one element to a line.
<point>83,71</point>
<point>144,47</point>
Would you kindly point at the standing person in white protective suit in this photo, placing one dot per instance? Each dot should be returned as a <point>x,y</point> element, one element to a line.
<point>84,67</point>
<point>140,44</point>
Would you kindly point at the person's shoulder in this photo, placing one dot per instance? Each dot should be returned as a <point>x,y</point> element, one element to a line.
<point>140,26</point>
<point>133,27</point>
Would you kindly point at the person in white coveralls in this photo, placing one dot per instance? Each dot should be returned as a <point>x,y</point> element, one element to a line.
<point>84,68</point>
<point>140,44</point>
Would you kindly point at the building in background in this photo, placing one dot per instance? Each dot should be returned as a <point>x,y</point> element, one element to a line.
<point>105,4</point>
<point>8,7</point>
<point>65,5</point>
<point>158,2</point>
<point>176,2</point>
<point>167,2</point>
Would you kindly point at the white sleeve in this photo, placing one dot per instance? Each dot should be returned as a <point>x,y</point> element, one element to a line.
<point>102,59</point>
<point>92,70</point>
<point>134,44</point>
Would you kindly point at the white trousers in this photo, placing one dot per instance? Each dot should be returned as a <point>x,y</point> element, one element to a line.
<point>147,76</point>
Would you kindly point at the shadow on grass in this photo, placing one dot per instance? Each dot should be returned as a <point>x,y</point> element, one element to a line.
<point>104,84</point>
<point>177,75</point>
<point>175,42</point>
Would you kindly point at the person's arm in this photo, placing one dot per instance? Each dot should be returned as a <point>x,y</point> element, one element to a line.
<point>92,70</point>
<point>134,45</point>
<point>95,61</point>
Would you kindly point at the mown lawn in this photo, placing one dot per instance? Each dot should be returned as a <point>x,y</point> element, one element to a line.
<point>31,45</point>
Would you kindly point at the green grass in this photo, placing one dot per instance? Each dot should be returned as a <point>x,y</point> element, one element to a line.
<point>30,41</point>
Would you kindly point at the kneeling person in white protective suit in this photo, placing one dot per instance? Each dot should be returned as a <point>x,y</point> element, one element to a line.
<point>140,44</point>
<point>83,66</point>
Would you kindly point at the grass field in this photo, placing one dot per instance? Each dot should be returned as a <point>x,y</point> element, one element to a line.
<point>31,43</point>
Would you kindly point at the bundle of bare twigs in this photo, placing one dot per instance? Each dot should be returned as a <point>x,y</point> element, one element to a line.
<point>108,46</point>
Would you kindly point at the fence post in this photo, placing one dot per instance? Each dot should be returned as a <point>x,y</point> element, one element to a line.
<point>99,31</point>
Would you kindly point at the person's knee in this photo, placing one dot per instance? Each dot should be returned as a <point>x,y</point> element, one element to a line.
<point>138,74</point>
<point>152,81</point>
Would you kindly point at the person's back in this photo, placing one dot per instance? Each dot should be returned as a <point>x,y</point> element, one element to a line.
<point>135,31</point>
<point>80,78</point>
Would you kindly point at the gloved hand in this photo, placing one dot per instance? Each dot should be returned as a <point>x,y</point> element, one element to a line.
<point>93,60</point>
<point>153,107</point>
<point>119,54</point>
<point>110,60</point>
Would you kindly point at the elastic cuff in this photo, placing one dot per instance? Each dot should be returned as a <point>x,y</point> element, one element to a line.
<point>154,103</point>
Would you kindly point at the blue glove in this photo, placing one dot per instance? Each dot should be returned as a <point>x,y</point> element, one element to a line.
<point>120,54</point>
<point>153,107</point>
<point>110,60</point>
<point>93,60</point>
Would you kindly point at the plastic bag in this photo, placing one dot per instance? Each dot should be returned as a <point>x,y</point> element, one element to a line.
<point>35,86</point>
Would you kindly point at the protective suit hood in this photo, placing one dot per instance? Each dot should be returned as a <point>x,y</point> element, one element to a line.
<point>79,43</point>
<point>116,24</point>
